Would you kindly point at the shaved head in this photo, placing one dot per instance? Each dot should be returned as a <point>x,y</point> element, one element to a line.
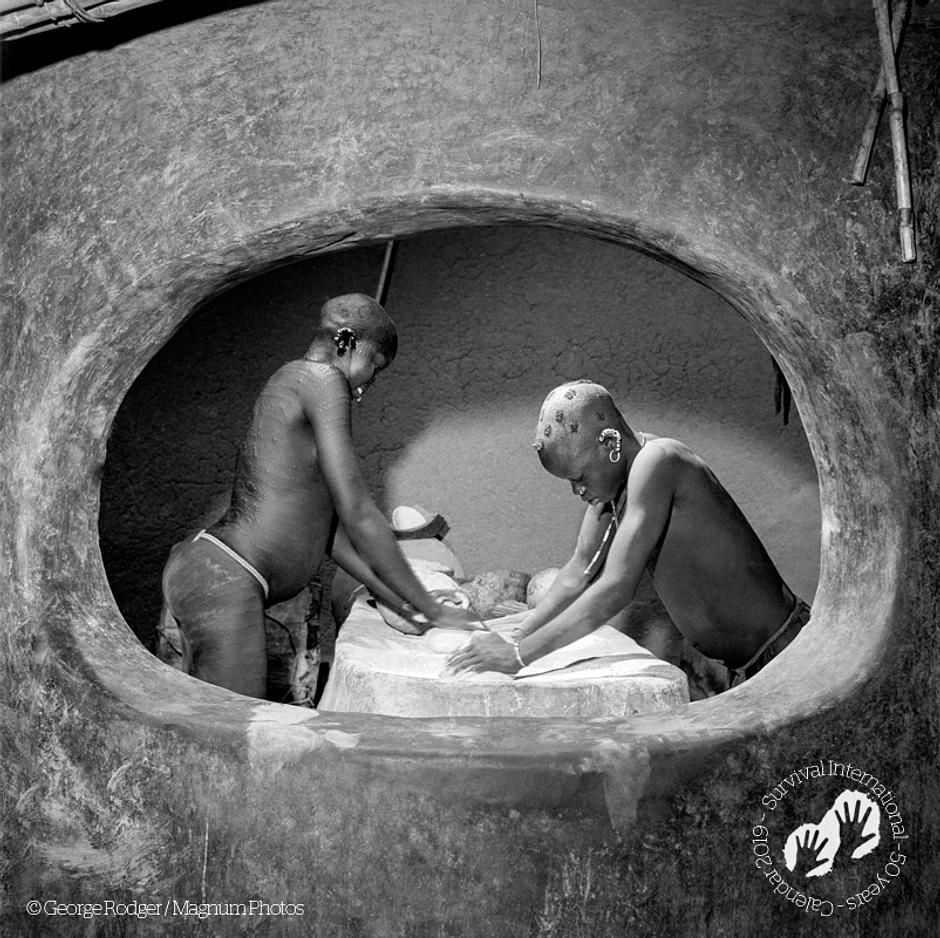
<point>364,316</point>
<point>571,419</point>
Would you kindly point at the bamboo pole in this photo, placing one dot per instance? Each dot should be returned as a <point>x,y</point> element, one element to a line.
<point>21,18</point>
<point>863,158</point>
<point>81,13</point>
<point>902,176</point>
<point>8,6</point>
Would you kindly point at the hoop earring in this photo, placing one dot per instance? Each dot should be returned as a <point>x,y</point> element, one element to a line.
<point>610,434</point>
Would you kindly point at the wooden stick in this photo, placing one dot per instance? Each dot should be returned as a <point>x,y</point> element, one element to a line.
<point>382,292</point>
<point>80,13</point>
<point>783,396</point>
<point>19,18</point>
<point>902,177</point>
<point>53,9</point>
<point>538,45</point>
<point>8,6</point>
<point>863,158</point>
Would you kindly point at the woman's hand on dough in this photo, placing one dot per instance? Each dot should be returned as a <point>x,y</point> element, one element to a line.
<point>448,616</point>
<point>454,610</point>
<point>484,652</point>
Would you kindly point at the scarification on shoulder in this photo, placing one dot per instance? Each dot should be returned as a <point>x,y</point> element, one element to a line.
<point>320,371</point>
<point>313,364</point>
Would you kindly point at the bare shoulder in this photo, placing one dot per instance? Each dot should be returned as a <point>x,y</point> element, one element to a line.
<point>309,372</point>
<point>663,467</point>
<point>311,381</point>
<point>690,476</point>
<point>663,452</point>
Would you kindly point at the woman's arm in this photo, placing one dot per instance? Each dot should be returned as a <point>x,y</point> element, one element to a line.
<point>651,486</point>
<point>572,580</point>
<point>342,551</point>
<point>326,402</point>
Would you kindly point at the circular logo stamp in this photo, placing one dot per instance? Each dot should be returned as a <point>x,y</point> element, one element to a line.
<point>830,838</point>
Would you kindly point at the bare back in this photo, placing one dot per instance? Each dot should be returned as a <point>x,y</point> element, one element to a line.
<point>282,510</point>
<point>709,567</point>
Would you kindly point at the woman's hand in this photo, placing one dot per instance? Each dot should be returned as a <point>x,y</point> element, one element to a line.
<point>453,610</point>
<point>454,617</point>
<point>485,652</point>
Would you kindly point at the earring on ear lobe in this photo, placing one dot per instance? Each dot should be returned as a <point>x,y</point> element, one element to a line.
<point>610,434</point>
<point>344,340</point>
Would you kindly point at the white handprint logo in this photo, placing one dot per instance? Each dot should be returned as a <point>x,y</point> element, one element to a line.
<point>849,830</point>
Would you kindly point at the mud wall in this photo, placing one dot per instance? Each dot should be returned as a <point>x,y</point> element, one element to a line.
<point>144,179</point>
<point>448,428</point>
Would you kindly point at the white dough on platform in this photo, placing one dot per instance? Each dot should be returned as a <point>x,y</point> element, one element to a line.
<point>444,641</point>
<point>431,576</point>
<point>379,670</point>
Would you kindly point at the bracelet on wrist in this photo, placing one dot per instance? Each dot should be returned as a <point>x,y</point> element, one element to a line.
<point>515,647</point>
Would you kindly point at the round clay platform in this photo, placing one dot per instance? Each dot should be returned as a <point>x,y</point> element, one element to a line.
<point>380,670</point>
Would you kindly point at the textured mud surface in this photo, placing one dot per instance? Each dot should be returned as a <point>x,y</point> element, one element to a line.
<point>142,180</point>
